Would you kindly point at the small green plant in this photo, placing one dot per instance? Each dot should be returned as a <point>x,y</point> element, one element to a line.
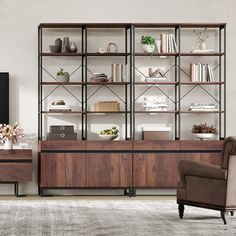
<point>147,39</point>
<point>204,129</point>
<point>112,131</point>
<point>62,72</point>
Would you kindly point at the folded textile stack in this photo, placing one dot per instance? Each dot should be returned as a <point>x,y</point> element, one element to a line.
<point>155,103</point>
<point>99,77</point>
<point>203,107</point>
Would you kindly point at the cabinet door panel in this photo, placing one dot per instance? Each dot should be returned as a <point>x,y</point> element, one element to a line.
<point>155,170</point>
<point>208,158</point>
<point>63,170</point>
<point>109,170</point>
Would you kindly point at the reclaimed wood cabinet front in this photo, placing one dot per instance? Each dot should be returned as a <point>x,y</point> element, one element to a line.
<point>109,170</point>
<point>63,170</point>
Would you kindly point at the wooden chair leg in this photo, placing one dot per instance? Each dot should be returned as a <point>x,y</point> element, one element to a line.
<point>225,217</point>
<point>181,211</point>
<point>232,213</point>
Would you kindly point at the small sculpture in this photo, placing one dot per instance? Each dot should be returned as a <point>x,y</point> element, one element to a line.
<point>109,47</point>
<point>201,38</point>
<point>155,73</point>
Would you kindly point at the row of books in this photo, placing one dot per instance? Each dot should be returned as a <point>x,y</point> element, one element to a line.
<point>200,72</point>
<point>168,43</point>
<point>203,107</point>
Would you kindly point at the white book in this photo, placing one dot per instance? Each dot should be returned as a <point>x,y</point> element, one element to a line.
<point>174,43</point>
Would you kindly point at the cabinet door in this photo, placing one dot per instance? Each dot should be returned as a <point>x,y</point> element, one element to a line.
<point>208,158</point>
<point>155,170</point>
<point>109,170</point>
<point>62,170</point>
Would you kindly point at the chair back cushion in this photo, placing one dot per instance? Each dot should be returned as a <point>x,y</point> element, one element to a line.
<point>228,149</point>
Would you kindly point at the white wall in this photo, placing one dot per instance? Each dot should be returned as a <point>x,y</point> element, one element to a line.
<point>18,44</point>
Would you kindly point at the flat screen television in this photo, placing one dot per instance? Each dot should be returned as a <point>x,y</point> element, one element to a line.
<point>4,98</point>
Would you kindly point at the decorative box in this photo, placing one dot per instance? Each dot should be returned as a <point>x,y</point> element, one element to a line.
<point>107,106</point>
<point>62,136</point>
<point>58,129</point>
<point>157,133</point>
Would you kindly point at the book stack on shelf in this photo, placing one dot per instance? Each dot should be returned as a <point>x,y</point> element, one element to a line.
<point>200,72</point>
<point>203,107</point>
<point>168,43</point>
<point>59,106</point>
<point>155,103</point>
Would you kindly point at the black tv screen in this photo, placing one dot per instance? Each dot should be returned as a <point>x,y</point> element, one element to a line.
<point>4,98</point>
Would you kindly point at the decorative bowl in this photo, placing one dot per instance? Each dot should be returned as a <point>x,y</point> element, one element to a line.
<point>55,48</point>
<point>204,136</point>
<point>107,137</point>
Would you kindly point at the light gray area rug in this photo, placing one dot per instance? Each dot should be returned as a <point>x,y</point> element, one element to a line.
<point>107,217</point>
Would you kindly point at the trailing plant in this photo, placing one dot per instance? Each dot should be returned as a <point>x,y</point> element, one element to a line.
<point>61,72</point>
<point>147,39</point>
<point>204,128</point>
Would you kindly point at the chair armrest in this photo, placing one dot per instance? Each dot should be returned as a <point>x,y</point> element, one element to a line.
<point>194,168</point>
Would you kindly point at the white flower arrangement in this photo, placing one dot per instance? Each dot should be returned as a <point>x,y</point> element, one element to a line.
<point>9,132</point>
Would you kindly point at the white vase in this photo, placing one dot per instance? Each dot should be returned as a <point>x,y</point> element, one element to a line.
<point>8,145</point>
<point>202,45</point>
<point>148,48</point>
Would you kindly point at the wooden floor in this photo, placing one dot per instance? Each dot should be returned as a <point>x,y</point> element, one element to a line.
<point>34,197</point>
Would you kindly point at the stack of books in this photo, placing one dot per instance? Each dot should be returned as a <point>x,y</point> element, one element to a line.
<point>99,77</point>
<point>203,107</point>
<point>168,43</point>
<point>155,103</point>
<point>59,108</point>
<point>201,73</point>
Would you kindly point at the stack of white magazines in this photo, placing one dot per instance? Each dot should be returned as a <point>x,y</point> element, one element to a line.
<point>59,108</point>
<point>155,103</point>
<point>203,107</point>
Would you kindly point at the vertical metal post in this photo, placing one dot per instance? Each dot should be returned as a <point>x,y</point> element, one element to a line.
<point>16,189</point>
<point>39,86</point>
<point>86,85</point>
<point>179,86</point>
<point>126,112</point>
<point>176,87</point>
<point>41,79</point>
<point>220,72</point>
<point>82,87</point>
<point>132,79</point>
<point>225,81</point>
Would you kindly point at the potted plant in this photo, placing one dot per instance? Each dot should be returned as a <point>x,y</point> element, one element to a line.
<point>10,134</point>
<point>62,76</point>
<point>204,131</point>
<point>148,43</point>
<point>109,134</point>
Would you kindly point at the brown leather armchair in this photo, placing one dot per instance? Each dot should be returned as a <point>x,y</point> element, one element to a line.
<point>209,186</point>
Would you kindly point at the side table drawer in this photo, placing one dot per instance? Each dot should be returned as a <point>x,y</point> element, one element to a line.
<point>21,172</point>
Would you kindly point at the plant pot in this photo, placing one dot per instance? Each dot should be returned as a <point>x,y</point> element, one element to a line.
<point>204,136</point>
<point>148,48</point>
<point>63,78</point>
<point>8,145</point>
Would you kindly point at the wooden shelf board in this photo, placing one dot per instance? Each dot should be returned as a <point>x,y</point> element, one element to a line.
<point>156,83</point>
<point>148,112</point>
<point>201,112</point>
<point>62,54</point>
<point>107,112</point>
<point>201,83</point>
<point>62,83</point>
<point>62,112</point>
<point>143,54</point>
<point>190,54</point>
<point>107,83</point>
<point>107,54</point>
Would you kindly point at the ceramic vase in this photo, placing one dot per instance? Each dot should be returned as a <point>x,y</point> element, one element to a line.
<point>73,48</point>
<point>148,48</point>
<point>202,45</point>
<point>8,145</point>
